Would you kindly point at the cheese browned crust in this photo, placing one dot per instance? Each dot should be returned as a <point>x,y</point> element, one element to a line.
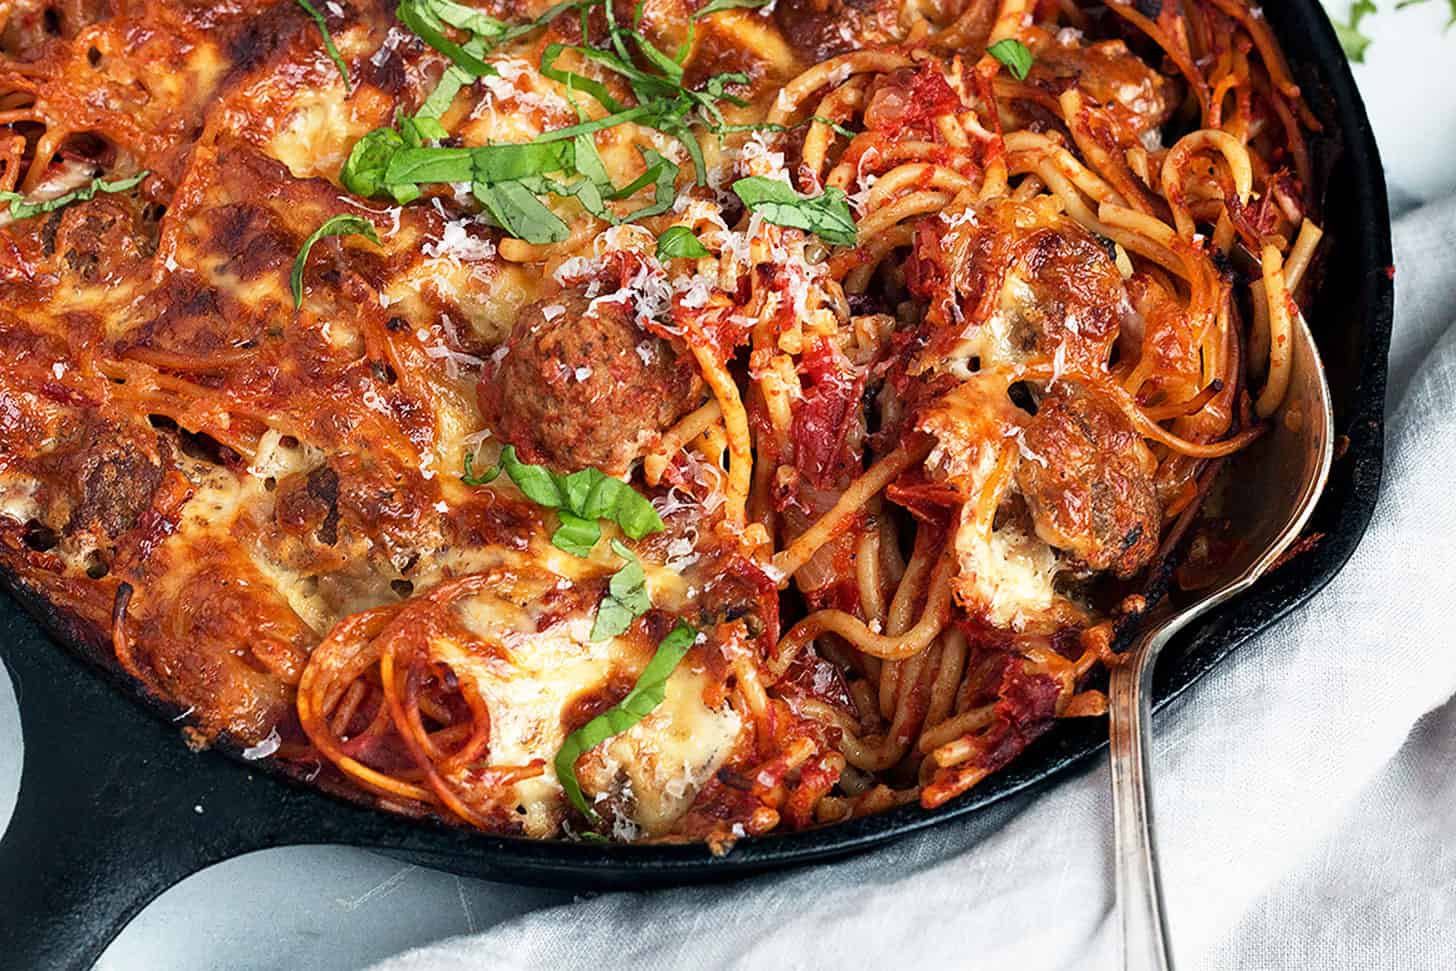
<point>226,478</point>
<point>902,317</point>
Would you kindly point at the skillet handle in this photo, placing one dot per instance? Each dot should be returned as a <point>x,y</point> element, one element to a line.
<point>107,816</point>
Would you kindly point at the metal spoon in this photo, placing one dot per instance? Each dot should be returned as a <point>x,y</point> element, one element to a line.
<point>1274,485</point>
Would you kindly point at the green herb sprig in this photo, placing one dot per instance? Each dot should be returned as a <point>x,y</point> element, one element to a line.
<point>626,599</point>
<point>581,500</point>
<point>826,215</point>
<point>342,225</point>
<point>679,242</point>
<point>1014,54</point>
<point>397,161</point>
<point>333,51</point>
<point>20,209</point>
<point>646,695</point>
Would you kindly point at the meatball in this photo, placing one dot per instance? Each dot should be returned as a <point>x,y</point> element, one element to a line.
<point>110,475</point>
<point>1139,98</point>
<point>579,384</point>
<point>1087,479</point>
<point>1065,293</point>
<point>819,29</point>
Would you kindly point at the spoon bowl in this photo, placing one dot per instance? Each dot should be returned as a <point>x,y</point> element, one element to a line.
<point>1272,488</point>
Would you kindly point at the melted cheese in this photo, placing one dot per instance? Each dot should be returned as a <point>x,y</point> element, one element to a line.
<point>17,498</point>
<point>664,760</point>
<point>530,672</point>
<point>1006,575</point>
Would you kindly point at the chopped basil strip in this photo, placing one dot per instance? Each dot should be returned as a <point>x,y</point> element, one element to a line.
<point>510,181</point>
<point>626,599</point>
<point>514,208</point>
<point>575,535</point>
<point>826,215</point>
<point>716,5</point>
<point>678,242</point>
<point>429,18</point>
<point>337,226</point>
<point>323,27</point>
<point>20,209</point>
<point>590,494</point>
<point>712,7</point>
<point>833,126</point>
<point>363,172</point>
<point>646,694</point>
<point>423,17</point>
<point>1014,55</point>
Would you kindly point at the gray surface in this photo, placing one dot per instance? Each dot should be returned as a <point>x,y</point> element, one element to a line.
<point>325,908</point>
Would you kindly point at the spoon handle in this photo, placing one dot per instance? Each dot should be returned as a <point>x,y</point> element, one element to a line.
<point>1139,892</point>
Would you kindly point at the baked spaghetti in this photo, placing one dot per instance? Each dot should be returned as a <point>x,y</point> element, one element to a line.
<point>673,420</point>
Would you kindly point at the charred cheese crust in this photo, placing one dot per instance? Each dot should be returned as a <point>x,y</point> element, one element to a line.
<point>946,440</point>
<point>239,477</point>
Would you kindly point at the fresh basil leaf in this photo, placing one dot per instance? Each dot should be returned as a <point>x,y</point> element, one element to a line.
<point>415,166</point>
<point>689,142</point>
<point>440,99</point>
<point>578,488</point>
<point>466,18</point>
<point>508,163</point>
<point>670,67</point>
<point>1014,54</point>
<point>510,32</point>
<point>588,193</point>
<point>630,582</point>
<point>662,175</point>
<point>588,161</point>
<point>588,494</point>
<point>417,129</point>
<point>536,482</point>
<point>626,598</point>
<point>613,618</point>
<point>575,535</point>
<point>616,501</point>
<point>333,51</point>
<point>595,125</point>
<point>420,16</point>
<point>646,694</point>
<point>364,171</point>
<point>343,225</point>
<point>834,126</point>
<point>713,6</point>
<point>574,81</point>
<point>716,87</point>
<point>826,215</point>
<point>20,209</point>
<point>513,208</point>
<point>679,242</point>
<point>485,478</point>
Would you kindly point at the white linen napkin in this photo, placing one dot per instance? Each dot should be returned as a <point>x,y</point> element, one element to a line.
<point>1304,789</point>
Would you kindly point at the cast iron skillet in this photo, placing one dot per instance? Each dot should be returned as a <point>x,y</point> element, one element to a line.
<point>114,809</point>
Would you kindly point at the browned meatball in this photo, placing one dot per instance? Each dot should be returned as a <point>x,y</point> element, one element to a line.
<point>1087,478</point>
<point>1139,98</point>
<point>580,384</point>
<point>819,29</point>
<point>109,473</point>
